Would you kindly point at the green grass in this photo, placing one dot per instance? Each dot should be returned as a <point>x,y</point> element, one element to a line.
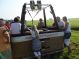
<point>74,22</point>
<point>75,36</point>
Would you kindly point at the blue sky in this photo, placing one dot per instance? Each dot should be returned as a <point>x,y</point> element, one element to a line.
<point>12,8</point>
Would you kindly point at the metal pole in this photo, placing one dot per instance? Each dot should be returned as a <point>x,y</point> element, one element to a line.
<point>54,16</point>
<point>23,18</point>
<point>44,18</point>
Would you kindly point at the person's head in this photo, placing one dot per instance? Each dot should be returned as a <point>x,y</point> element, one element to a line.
<point>16,19</point>
<point>40,20</point>
<point>2,22</point>
<point>65,19</point>
<point>58,19</point>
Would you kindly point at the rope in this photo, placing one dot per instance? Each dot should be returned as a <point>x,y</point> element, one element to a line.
<point>36,14</point>
<point>31,15</point>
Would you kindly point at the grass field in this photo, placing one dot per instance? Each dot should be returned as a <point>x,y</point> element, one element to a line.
<point>74,23</point>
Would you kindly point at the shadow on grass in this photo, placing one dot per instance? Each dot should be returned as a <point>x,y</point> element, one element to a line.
<point>75,28</point>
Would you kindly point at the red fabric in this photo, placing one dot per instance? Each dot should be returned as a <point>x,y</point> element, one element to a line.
<point>7,26</point>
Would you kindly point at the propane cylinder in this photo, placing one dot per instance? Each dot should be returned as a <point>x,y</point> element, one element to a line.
<point>39,4</point>
<point>32,4</point>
